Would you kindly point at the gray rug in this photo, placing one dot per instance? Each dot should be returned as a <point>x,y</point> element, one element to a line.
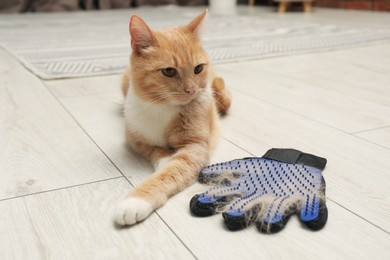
<point>97,43</point>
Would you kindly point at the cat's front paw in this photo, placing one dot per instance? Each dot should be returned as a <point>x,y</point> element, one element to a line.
<point>132,210</point>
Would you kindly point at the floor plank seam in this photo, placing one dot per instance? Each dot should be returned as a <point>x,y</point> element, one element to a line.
<point>334,201</point>
<point>226,139</point>
<point>176,235</point>
<point>73,217</point>
<point>123,175</point>
<point>17,60</point>
<point>82,128</point>
<point>327,197</point>
<point>371,142</point>
<point>357,215</point>
<point>85,95</point>
<point>369,130</point>
<point>168,226</point>
<point>296,113</point>
<point>62,188</point>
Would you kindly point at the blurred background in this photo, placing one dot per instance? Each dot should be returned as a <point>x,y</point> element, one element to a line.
<point>17,6</point>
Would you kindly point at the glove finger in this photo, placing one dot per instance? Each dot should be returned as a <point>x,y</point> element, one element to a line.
<point>275,214</point>
<point>225,172</point>
<point>235,220</point>
<point>257,194</point>
<point>202,206</point>
<point>242,212</point>
<point>313,210</point>
<point>213,200</point>
<point>217,198</point>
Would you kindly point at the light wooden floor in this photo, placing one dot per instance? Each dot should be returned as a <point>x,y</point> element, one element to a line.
<point>64,164</point>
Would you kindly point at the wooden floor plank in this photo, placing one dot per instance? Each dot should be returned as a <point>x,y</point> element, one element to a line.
<point>361,73</point>
<point>102,117</point>
<point>308,102</point>
<point>206,237</point>
<point>18,239</point>
<point>352,81</point>
<point>356,173</point>
<point>85,86</point>
<point>339,110</point>
<point>345,236</point>
<point>374,58</point>
<point>379,136</point>
<point>76,223</point>
<point>42,147</point>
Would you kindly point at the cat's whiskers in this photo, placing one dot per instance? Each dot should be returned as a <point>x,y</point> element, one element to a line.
<point>156,97</point>
<point>155,104</point>
<point>167,97</point>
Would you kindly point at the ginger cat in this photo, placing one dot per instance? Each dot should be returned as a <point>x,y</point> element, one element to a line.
<point>171,112</point>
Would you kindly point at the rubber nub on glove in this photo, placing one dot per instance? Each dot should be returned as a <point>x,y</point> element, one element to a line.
<point>204,206</point>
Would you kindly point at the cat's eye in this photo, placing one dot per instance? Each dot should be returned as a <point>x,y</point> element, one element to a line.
<point>198,69</point>
<point>169,72</point>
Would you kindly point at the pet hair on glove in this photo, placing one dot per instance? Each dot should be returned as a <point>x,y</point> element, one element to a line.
<point>265,190</point>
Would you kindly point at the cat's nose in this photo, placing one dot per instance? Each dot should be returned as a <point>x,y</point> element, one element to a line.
<point>190,90</point>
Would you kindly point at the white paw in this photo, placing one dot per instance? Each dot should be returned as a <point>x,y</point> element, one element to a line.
<point>131,211</point>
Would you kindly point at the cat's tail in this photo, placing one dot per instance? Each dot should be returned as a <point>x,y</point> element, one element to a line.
<point>222,96</point>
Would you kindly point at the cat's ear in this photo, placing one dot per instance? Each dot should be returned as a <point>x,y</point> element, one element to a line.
<point>141,35</point>
<point>197,25</point>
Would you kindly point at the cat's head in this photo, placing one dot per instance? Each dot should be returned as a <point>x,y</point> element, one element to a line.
<point>170,66</point>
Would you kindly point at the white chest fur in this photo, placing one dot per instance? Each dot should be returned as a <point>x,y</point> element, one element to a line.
<point>147,119</point>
